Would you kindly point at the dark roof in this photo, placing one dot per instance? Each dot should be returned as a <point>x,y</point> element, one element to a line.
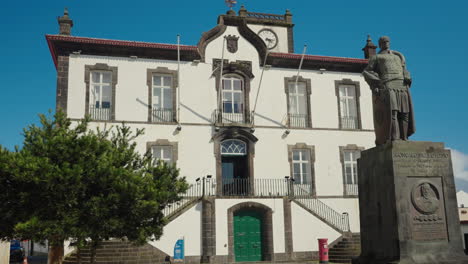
<point>65,45</point>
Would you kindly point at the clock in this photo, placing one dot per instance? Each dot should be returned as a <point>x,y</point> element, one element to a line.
<point>269,37</point>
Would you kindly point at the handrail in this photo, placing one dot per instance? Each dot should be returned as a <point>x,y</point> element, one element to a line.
<point>303,194</point>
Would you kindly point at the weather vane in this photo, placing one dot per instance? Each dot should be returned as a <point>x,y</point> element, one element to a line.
<point>230,3</point>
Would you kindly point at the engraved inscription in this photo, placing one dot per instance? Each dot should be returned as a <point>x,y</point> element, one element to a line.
<point>427,209</point>
<point>422,163</point>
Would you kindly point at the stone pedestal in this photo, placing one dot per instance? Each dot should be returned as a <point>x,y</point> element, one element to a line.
<point>408,207</point>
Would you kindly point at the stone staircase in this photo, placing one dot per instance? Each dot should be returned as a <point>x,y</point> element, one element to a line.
<point>345,249</point>
<point>119,252</point>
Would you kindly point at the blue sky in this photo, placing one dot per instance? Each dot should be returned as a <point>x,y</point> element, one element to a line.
<point>432,35</point>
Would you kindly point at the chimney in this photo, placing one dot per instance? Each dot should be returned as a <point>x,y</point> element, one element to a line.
<point>288,16</point>
<point>242,11</point>
<point>370,48</point>
<point>65,23</point>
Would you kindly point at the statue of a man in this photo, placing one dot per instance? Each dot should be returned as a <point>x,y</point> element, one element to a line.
<point>389,80</point>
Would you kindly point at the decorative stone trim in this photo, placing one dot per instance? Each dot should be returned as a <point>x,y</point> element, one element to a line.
<point>290,40</point>
<point>164,142</point>
<point>311,149</point>
<point>288,234</point>
<point>208,230</point>
<point>61,98</point>
<point>101,67</point>
<point>242,69</point>
<point>267,227</point>
<point>308,84</point>
<point>209,36</point>
<point>239,134</point>
<point>357,88</point>
<point>149,83</point>
<point>349,147</point>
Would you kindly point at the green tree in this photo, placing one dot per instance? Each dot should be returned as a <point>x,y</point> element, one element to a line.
<point>87,185</point>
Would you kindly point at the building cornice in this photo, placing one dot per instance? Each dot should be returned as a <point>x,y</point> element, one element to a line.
<point>60,45</point>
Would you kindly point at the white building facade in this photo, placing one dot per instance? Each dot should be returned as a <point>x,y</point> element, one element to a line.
<point>270,153</point>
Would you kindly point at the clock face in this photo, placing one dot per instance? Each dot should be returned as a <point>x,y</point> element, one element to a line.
<point>269,37</point>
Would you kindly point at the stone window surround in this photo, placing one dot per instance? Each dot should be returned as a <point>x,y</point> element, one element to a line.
<point>101,67</point>
<point>357,87</point>
<point>267,227</point>
<point>164,143</point>
<point>311,149</point>
<point>350,147</point>
<point>308,84</point>
<point>149,83</point>
<point>238,134</point>
<point>241,69</point>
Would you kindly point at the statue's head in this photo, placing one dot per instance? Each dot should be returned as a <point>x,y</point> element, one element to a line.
<point>384,42</point>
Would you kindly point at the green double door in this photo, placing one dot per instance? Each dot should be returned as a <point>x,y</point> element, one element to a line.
<point>248,236</point>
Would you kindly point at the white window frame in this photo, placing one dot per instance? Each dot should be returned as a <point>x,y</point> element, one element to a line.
<point>305,177</point>
<point>297,96</point>
<point>162,149</point>
<point>164,89</point>
<point>349,118</point>
<point>352,163</point>
<point>233,92</point>
<point>100,85</point>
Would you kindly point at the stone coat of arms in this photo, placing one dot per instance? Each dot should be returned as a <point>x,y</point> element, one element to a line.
<point>232,43</point>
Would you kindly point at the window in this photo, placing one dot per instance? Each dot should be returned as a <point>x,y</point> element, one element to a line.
<point>233,147</point>
<point>298,92</point>
<point>348,93</point>
<point>101,95</point>
<point>350,166</point>
<point>301,166</point>
<point>349,156</point>
<point>301,160</point>
<point>163,149</point>
<point>162,98</point>
<point>348,111</point>
<point>101,81</point>
<point>162,94</point>
<point>297,105</point>
<point>233,100</point>
<point>162,153</point>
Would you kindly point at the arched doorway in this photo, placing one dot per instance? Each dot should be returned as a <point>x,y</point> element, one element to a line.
<point>234,168</point>
<point>250,232</point>
<point>234,149</point>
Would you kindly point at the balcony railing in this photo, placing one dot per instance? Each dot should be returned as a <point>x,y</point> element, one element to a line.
<point>298,120</point>
<point>162,115</point>
<point>349,122</point>
<point>301,193</point>
<point>220,117</point>
<point>100,113</point>
<point>351,189</point>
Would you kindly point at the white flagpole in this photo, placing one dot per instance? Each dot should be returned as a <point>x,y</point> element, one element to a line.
<point>178,79</point>
<point>300,65</point>
<point>220,87</point>
<point>260,82</point>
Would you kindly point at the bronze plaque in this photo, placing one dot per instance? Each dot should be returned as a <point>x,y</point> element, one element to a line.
<point>427,209</point>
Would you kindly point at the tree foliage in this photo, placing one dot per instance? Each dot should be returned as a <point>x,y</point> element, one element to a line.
<point>72,182</point>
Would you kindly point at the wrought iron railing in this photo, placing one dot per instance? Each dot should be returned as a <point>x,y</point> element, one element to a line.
<point>349,122</point>
<point>351,189</point>
<point>162,115</point>
<point>323,211</point>
<point>298,120</point>
<point>100,113</point>
<point>265,16</point>
<point>301,193</point>
<point>220,117</point>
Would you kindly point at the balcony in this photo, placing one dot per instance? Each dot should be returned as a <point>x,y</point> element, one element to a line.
<point>351,189</point>
<point>220,117</point>
<point>162,115</point>
<point>349,122</point>
<point>100,113</point>
<point>298,120</point>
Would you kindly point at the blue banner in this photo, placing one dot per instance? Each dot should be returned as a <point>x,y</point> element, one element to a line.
<point>179,253</point>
